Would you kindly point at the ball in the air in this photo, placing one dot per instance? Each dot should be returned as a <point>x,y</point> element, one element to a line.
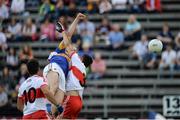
<point>155,45</point>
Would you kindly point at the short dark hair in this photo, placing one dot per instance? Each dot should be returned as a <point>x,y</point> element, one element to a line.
<point>87,60</point>
<point>33,66</point>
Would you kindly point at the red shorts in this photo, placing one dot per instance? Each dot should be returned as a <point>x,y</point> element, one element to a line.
<point>40,114</point>
<point>72,106</point>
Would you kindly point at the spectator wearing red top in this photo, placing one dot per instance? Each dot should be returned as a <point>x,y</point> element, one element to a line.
<point>47,30</point>
<point>153,5</point>
<point>98,67</point>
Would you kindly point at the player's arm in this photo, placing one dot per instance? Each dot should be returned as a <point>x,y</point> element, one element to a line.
<point>74,24</point>
<point>51,98</point>
<point>67,36</point>
<point>48,94</point>
<point>20,104</point>
<point>20,100</point>
<point>65,42</point>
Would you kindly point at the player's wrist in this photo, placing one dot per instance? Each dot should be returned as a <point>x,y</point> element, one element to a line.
<point>59,108</point>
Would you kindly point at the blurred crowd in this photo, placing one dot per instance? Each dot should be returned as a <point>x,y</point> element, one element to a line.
<point>88,34</point>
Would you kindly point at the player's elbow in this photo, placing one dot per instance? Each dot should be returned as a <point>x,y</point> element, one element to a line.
<point>20,107</point>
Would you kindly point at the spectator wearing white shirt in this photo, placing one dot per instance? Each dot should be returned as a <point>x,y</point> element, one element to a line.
<point>4,13</point>
<point>140,48</point>
<point>14,29</point>
<point>136,6</point>
<point>3,44</point>
<point>17,6</point>
<point>29,30</point>
<point>87,30</point>
<point>119,5</point>
<point>3,97</point>
<point>178,60</point>
<point>168,59</point>
<point>104,6</point>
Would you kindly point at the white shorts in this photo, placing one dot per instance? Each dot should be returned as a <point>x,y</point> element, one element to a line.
<point>55,68</point>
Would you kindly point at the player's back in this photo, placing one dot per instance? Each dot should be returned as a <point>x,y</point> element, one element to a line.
<point>30,91</point>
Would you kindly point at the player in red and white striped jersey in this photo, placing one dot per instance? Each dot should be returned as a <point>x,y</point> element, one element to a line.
<point>76,78</point>
<point>33,94</point>
<point>75,86</point>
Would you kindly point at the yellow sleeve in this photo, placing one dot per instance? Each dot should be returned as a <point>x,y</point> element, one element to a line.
<point>61,45</point>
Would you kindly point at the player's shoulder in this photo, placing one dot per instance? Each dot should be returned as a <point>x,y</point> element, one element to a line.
<point>38,78</point>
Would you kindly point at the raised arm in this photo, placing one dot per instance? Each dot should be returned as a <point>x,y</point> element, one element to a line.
<point>74,24</point>
<point>67,35</point>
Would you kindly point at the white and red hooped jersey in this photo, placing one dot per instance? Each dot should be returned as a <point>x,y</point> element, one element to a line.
<point>33,97</point>
<point>77,69</point>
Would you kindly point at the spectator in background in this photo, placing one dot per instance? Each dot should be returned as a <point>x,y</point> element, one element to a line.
<point>12,59</point>
<point>140,48</point>
<point>119,5</point>
<point>168,59</point>
<point>72,10</point>
<point>26,53</point>
<point>14,30</point>
<point>4,13</point>
<point>92,6</point>
<point>87,30</point>
<point>3,98</point>
<point>76,39</point>
<point>45,9</point>
<point>18,6</point>
<point>177,41</point>
<point>133,29</point>
<point>104,6</point>
<point>7,79</point>
<point>22,75</point>
<point>67,2</point>
<point>103,31</point>
<point>3,44</point>
<point>47,30</point>
<point>165,35</point>
<point>116,37</point>
<point>86,49</point>
<point>98,67</point>
<point>29,31</point>
<point>178,60</point>
<point>149,60</point>
<point>136,6</point>
<point>153,5</point>
<point>60,9</point>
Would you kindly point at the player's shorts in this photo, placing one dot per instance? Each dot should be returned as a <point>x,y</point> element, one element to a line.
<point>40,114</point>
<point>72,106</point>
<point>55,68</point>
